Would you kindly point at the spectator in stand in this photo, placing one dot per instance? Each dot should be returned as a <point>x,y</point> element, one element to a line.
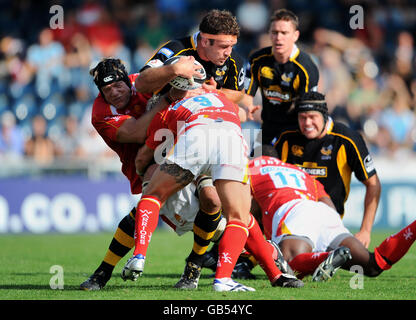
<point>404,57</point>
<point>91,145</point>
<point>46,61</point>
<point>70,141</point>
<point>252,16</point>
<point>154,31</point>
<point>399,120</point>
<point>71,28</point>
<point>15,70</point>
<point>141,54</point>
<point>40,147</point>
<point>11,138</point>
<point>105,34</point>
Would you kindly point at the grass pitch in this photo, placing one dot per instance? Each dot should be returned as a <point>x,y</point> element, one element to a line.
<point>26,261</point>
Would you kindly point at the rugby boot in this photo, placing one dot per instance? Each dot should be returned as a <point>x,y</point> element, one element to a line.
<point>227,284</point>
<point>133,268</point>
<point>96,281</point>
<point>330,265</point>
<point>288,281</point>
<point>190,277</point>
<point>279,260</point>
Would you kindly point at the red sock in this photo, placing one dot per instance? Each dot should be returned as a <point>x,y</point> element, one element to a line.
<point>395,247</point>
<point>261,250</point>
<point>230,247</point>
<point>147,217</point>
<point>306,263</point>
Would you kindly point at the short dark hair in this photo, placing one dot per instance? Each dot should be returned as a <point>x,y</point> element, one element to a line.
<point>284,14</point>
<point>220,22</point>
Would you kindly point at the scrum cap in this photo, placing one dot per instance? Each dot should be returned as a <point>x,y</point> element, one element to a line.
<point>312,101</point>
<point>109,70</point>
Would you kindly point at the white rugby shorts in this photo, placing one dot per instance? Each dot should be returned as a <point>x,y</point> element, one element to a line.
<point>215,148</point>
<point>316,222</point>
<point>180,209</point>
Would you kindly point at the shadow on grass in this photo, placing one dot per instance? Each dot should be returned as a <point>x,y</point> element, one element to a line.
<point>110,287</point>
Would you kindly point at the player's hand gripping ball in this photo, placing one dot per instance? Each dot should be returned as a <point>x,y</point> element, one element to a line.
<point>182,83</point>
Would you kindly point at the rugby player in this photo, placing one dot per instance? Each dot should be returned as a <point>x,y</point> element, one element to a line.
<point>213,47</point>
<point>331,152</point>
<point>310,233</point>
<point>119,115</point>
<point>282,72</point>
<point>209,141</point>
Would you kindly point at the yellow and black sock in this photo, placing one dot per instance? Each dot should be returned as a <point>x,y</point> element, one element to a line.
<point>205,225</point>
<point>122,242</point>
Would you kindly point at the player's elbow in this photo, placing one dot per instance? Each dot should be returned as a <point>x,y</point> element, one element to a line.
<point>142,85</point>
<point>373,184</point>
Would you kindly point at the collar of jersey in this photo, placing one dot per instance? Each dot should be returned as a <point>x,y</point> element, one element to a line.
<point>329,125</point>
<point>295,52</point>
<point>194,40</point>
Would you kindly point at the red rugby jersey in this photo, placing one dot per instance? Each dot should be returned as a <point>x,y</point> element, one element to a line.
<point>212,105</point>
<point>274,183</point>
<point>106,119</point>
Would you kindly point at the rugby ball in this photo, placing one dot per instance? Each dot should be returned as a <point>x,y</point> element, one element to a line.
<point>184,83</point>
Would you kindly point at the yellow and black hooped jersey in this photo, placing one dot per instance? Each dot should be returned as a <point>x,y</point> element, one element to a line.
<point>280,83</point>
<point>331,159</point>
<point>230,75</point>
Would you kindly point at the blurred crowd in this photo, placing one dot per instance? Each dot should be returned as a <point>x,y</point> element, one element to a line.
<point>46,93</point>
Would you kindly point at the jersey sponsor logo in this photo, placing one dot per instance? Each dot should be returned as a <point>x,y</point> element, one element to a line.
<point>313,169</point>
<point>166,52</point>
<point>369,164</point>
<point>267,72</point>
<point>326,152</point>
<point>287,78</point>
<point>274,94</point>
<point>297,150</point>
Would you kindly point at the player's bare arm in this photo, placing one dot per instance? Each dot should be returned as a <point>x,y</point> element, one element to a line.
<point>247,104</point>
<point>233,95</point>
<point>143,158</point>
<point>134,130</point>
<point>153,79</point>
<point>371,200</point>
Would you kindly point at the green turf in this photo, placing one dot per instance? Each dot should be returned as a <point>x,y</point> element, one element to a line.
<point>25,263</point>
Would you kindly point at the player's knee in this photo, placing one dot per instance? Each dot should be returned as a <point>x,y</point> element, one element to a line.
<point>160,192</point>
<point>208,200</point>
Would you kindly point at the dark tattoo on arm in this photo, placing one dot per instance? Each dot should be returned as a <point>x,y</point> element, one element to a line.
<point>181,176</point>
